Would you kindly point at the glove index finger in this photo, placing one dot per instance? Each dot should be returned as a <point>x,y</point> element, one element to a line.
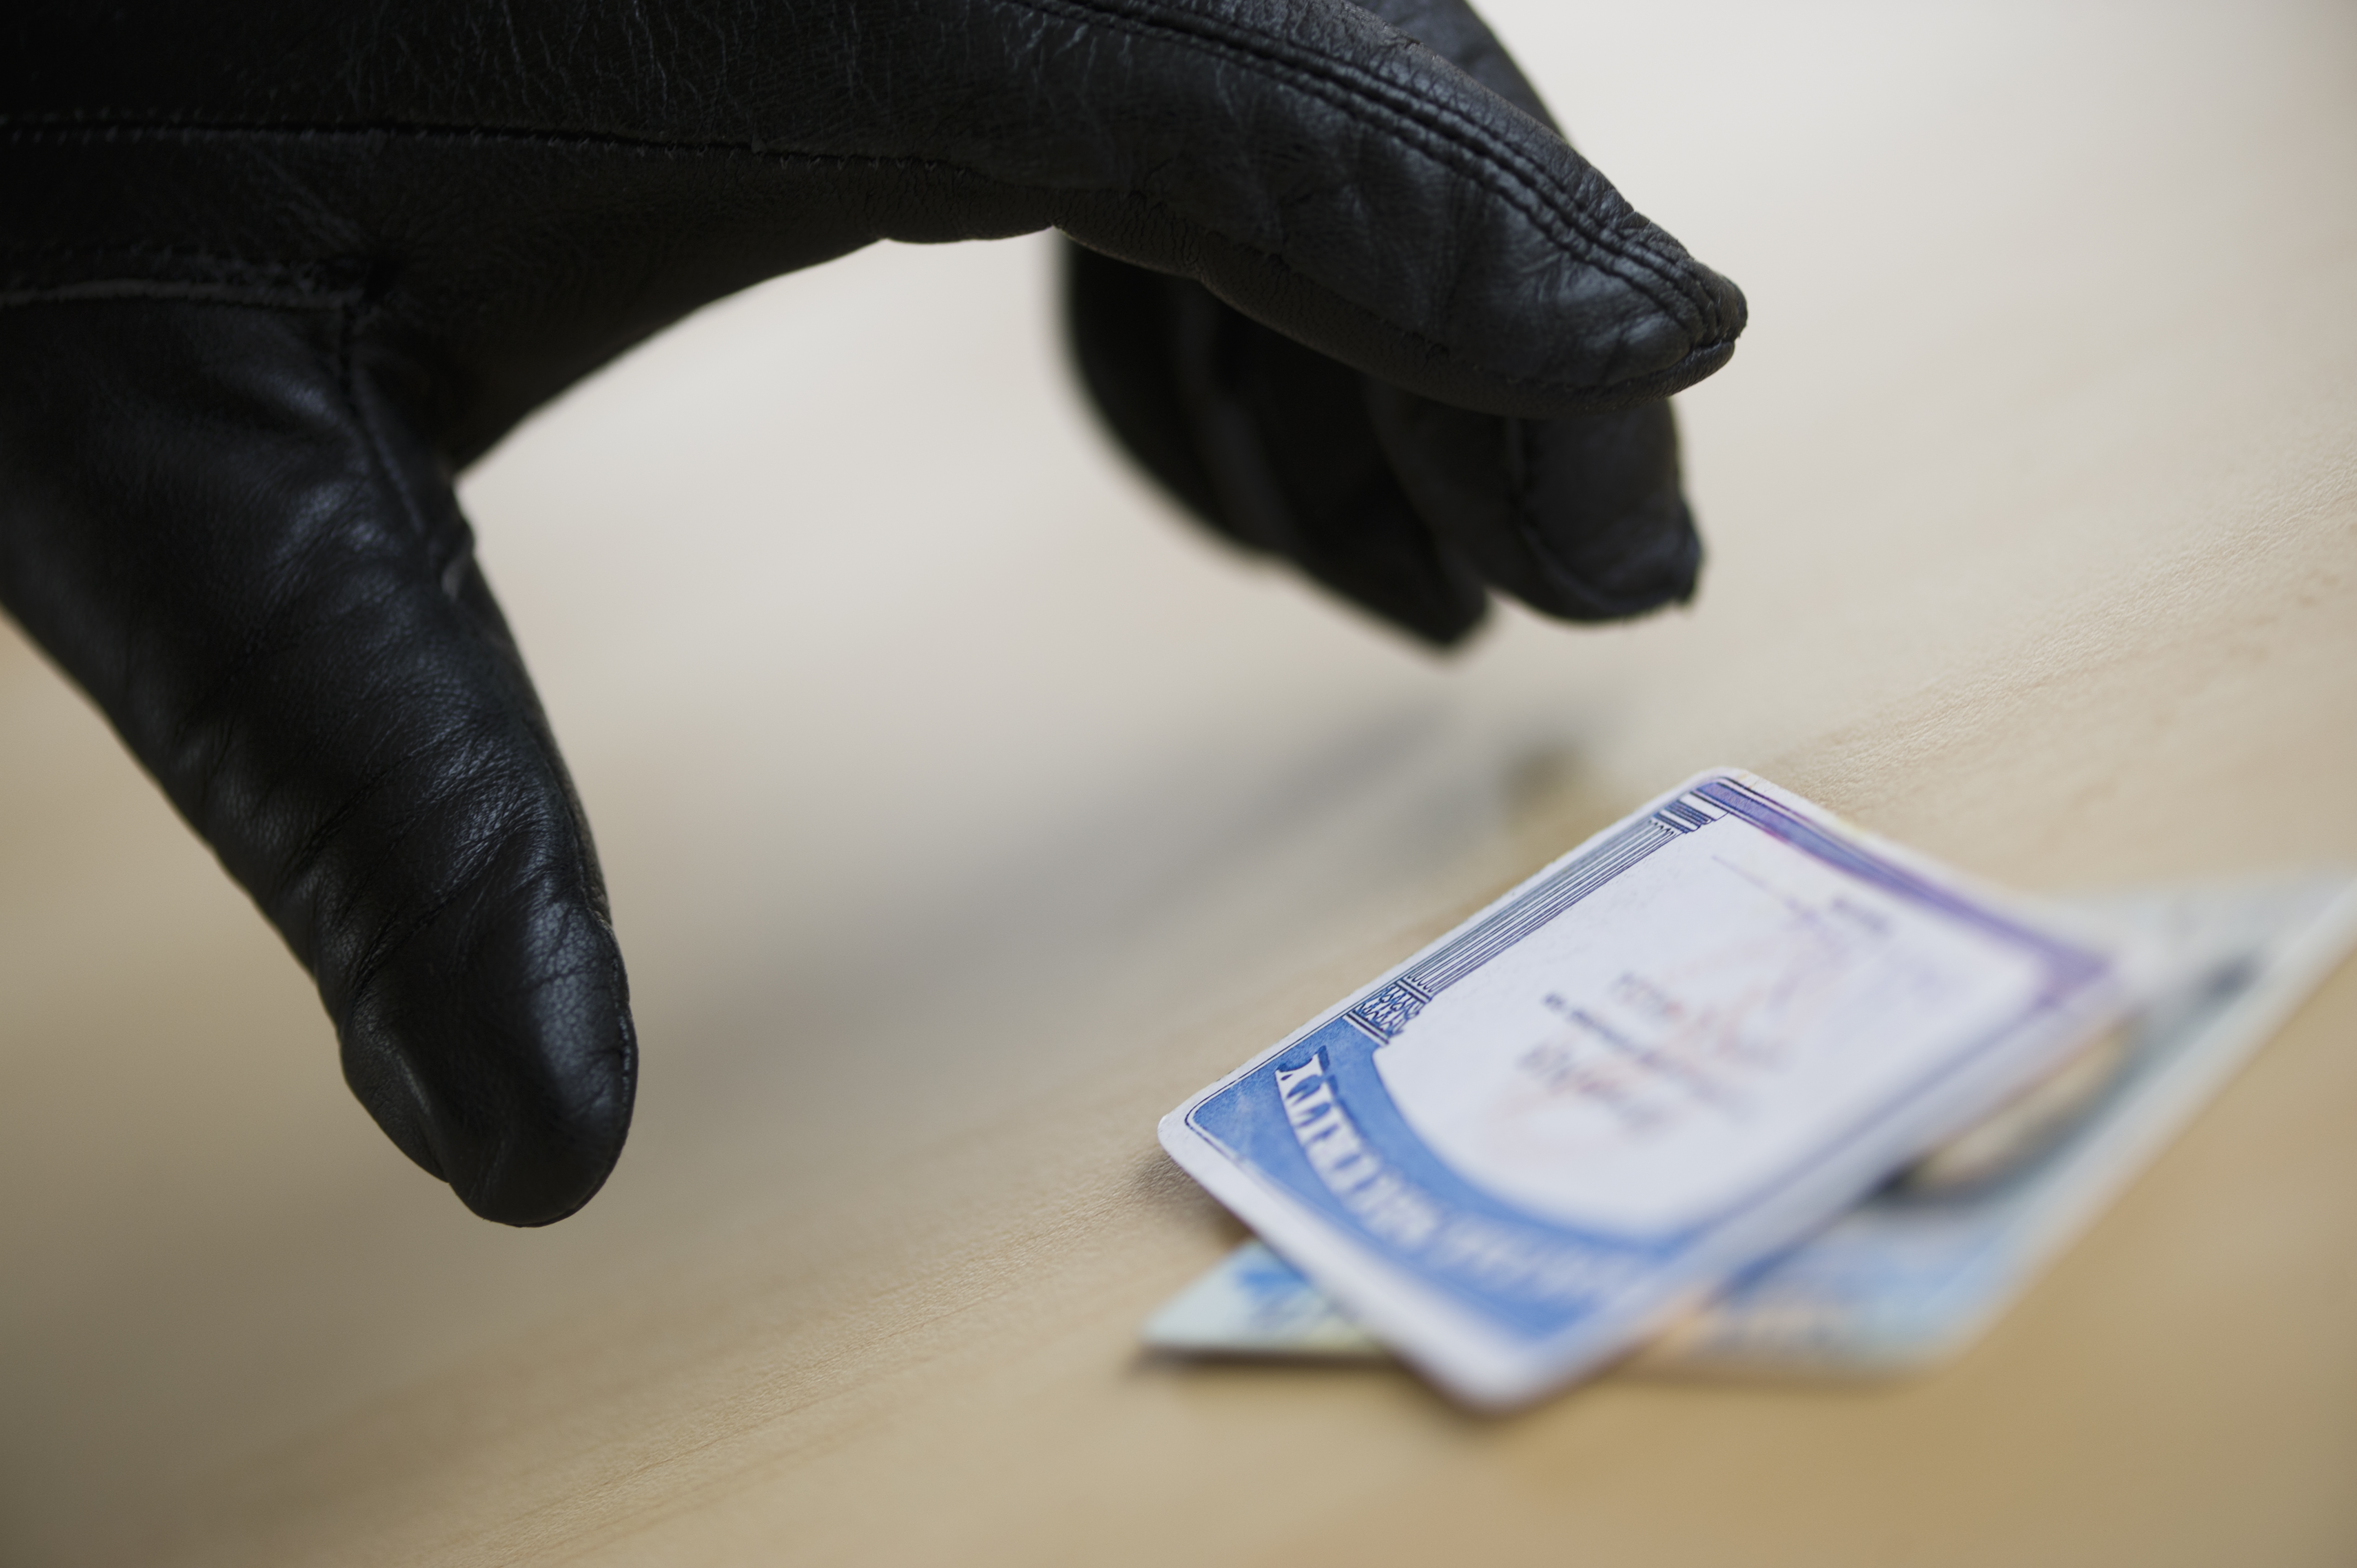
<point>1328,176</point>
<point>529,210</point>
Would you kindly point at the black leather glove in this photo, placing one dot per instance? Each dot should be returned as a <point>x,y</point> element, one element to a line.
<point>270,273</point>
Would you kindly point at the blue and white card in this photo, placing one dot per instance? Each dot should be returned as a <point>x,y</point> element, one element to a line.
<point>1921,1268</point>
<point>1690,1041</point>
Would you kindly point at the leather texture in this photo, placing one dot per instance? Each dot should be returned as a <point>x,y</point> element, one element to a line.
<point>272,274</point>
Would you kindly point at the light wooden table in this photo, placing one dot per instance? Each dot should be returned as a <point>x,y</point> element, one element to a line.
<point>963,812</point>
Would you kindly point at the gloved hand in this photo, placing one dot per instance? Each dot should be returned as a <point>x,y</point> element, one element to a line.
<point>272,273</point>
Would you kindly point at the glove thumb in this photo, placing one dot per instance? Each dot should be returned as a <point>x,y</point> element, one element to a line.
<point>216,515</point>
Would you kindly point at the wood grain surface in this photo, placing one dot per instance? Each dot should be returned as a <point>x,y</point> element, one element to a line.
<point>965,811</point>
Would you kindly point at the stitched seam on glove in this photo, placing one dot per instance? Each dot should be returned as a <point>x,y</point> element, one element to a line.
<point>183,132</point>
<point>1522,185</point>
<point>212,278</point>
<point>1548,205</point>
<point>1596,246</point>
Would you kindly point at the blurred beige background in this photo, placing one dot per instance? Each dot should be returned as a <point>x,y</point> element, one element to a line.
<point>964,810</point>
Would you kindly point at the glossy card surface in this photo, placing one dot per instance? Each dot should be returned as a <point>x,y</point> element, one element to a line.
<point>1686,1044</point>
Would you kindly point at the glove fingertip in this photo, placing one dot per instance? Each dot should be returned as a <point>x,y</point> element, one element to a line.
<point>1580,517</point>
<point>497,1050</point>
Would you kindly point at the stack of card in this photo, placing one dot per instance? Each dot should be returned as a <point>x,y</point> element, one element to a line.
<point>1734,1083</point>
